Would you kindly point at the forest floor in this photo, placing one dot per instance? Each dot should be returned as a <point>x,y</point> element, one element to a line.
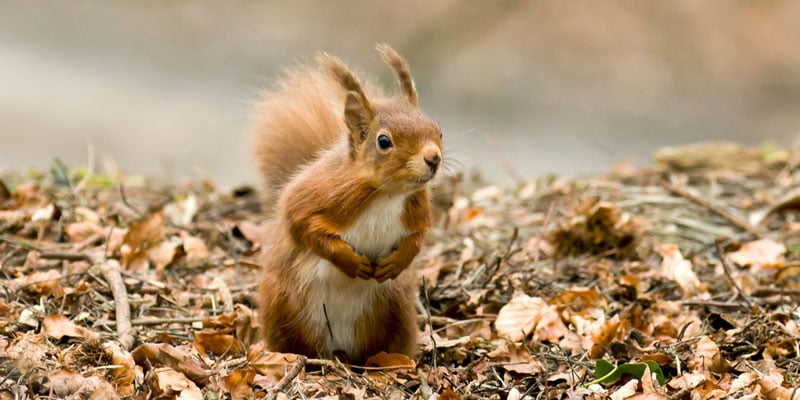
<point>676,281</point>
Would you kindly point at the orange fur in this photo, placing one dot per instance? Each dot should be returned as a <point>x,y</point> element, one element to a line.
<point>350,215</point>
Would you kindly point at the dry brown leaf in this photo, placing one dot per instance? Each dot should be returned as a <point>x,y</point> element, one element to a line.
<point>180,359</point>
<point>58,326</point>
<point>270,364</point>
<point>217,342</point>
<point>255,233</point>
<point>759,254</point>
<point>80,231</point>
<point>162,255</point>
<point>170,384</point>
<point>141,235</point>
<point>518,318</point>
<point>182,213</point>
<point>674,267</point>
<point>524,314</point>
<point>603,336</point>
<point>29,351</point>
<point>239,383</point>
<point>579,300</point>
<point>67,384</point>
<point>195,248</point>
<point>707,357</point>
<point>626,391</point>
<point>390,361</point>
<point>44,283</point>
<point>125,373</point>
<point>516,358</point>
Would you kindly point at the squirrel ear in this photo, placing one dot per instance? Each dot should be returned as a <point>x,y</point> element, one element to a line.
<point>401,71</point>
<point>357,117</point>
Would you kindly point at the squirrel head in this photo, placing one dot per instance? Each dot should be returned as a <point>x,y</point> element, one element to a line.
<point>399,148</point>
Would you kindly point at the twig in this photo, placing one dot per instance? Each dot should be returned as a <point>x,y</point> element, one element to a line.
<point>430,324</point>
<point>711,303</point>
<point>65,255</point>
<point>127,204</point>
<point>288,378</point>
<point>110,271</point>
<point>327,321</point>
<point>722,212</point>
<point>769,291</point>
<point>726,266</point>
<point>158,321</point>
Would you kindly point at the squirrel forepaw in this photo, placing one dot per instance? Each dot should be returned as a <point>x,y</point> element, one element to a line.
<point>388,268</point>
<point>359,267</point>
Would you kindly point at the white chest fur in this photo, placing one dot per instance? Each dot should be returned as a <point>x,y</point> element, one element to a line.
<point>377,230</point>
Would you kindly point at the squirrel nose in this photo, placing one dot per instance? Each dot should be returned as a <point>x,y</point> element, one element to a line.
<point>433,161</point>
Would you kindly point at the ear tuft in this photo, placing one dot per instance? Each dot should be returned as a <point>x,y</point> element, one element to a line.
<point>338,71</point>
<point>401,71</point>
<point>357,117</point>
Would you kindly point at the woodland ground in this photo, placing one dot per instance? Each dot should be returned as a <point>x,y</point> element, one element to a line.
<point>677,281</point>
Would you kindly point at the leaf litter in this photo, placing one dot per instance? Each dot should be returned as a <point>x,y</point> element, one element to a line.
<point>686,274</point>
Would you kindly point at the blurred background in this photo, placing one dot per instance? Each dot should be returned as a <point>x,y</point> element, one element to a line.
<point>165,88</point>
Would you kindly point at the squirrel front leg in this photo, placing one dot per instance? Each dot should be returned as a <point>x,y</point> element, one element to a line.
<point>396,262</point>
<point>321,238</point>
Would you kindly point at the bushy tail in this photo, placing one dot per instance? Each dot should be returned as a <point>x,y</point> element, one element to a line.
<point>298,117</point>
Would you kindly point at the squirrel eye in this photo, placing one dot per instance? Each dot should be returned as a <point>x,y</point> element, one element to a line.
<point>384,142</point>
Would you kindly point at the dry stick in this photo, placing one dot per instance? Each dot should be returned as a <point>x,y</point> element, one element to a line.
<point>288,378</point>
<point>122,310</point>
<point>726,267</point>
<point>126,203</point>
<point>110,271</point>
<point>158,321</point>
<point>714,208</point>
<point>430,324</point>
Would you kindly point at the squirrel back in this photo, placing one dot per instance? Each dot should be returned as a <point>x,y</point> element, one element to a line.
<point>297,119</point>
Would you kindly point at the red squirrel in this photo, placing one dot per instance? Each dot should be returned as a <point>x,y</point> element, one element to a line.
<point>346,169</point>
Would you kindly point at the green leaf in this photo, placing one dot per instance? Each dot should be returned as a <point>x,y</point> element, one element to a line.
<point>606,373</point>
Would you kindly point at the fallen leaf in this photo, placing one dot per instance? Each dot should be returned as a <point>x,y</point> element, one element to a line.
<point>674,267</point>
<point>606,372</point>
<point>524,314</point>
<point>141,236</point>
<point>603,336</point>
<point>195,248</point>
<point>44,283</point>
<point>270,364</point>
<point>390,361</point>
<point>179,359</point>
<point>707,357</point>
<point>162,255</point>
<point>125,372</point>
<point>516,358</point>
<point>169,383</point>
<point>68,384</point>
<point>759,254</point>
<point>625,391</point>
<point>217,342</point>
<point>80,231</point>
<point>239,382</point>
<point>58,326</point>
<point>182,213</point>
<point>29,351</point>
